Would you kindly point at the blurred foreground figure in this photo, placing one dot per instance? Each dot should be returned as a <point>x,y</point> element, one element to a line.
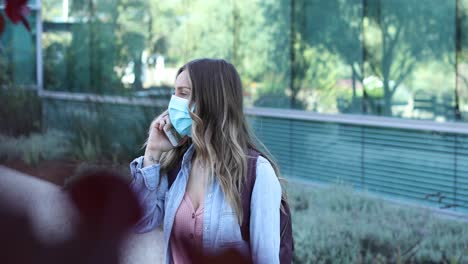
<point>107,208</point>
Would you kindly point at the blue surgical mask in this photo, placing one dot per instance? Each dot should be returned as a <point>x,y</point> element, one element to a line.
<point>179,115</point>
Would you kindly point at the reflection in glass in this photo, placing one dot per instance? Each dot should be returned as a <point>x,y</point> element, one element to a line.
<point>386,58</point>
<point>409,51</point>
<point>327,56</point>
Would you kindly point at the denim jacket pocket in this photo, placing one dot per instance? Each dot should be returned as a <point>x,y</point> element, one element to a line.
<point>229,234</point>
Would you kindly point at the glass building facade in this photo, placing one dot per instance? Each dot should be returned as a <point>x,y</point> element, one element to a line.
<point>404,59</point>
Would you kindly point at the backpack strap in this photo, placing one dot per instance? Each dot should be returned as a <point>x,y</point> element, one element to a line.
<point>246,195</point>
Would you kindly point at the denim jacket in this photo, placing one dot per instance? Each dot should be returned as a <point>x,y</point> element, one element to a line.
<point>220,226</point>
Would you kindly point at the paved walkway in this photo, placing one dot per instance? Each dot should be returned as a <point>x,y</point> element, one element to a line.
<point>52,217</point>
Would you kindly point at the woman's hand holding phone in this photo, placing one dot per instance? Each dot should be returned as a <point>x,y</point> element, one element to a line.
<point>157,140</point>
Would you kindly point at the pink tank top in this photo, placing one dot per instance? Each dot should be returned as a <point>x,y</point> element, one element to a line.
<point>188,227</point>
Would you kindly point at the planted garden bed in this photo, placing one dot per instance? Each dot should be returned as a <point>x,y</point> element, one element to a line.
<point>339,225</point>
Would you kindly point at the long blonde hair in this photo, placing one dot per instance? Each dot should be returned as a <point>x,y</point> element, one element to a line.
<point>220,132</point>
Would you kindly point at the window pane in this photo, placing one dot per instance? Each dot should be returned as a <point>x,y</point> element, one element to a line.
<point>263,52</point>
<point>462,68</point>
<point>18,53</point>
<point>327,62</point>
<point>409,59</point>
<point>89,46</point>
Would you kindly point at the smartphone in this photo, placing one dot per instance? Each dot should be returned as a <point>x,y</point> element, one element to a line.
<point>172,135</point>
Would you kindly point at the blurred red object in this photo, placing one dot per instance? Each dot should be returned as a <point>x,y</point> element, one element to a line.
<point>105,201</point>
<point>17,10</point>
<point>107,208</point>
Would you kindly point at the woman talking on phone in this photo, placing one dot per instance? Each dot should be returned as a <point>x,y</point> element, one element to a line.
<point>203,141</point>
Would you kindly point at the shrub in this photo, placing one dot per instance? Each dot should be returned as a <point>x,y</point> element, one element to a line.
<point>101,137</point>
<point>90,137</point>
<point>9,148</point>
<point>339,225</point>
<point>34,148</point>
<point>20,112</point>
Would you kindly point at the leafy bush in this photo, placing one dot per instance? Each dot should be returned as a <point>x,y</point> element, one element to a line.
<point>20,112</point>
<point>96,137</point>
<point>338,225</point>
<point>34,148</point>
<point>9,148</point>
<point>90,137</point>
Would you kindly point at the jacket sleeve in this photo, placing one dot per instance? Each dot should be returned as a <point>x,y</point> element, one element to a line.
<point>150,196</point>
<point>265,215</point>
